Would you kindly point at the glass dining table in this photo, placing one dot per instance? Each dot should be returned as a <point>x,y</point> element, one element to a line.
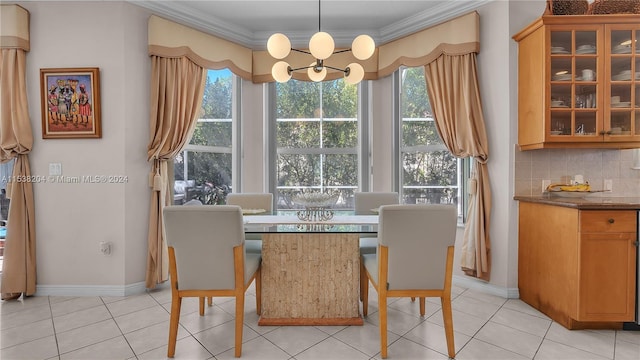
<point>310,269</point>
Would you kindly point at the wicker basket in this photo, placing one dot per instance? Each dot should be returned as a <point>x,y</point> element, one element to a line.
<point>599,7</point>
<point>567,7</point>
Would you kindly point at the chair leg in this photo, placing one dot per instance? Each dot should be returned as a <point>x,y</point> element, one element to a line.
<point>210,300</point>
<point>447,316</point>
<point>364,290</point>
<point>382,310</point>
<point>258,281</point>
<point>363,279</point>
<point>239,323</point>
<point>176,302</point>
<point>422,307</point>
<point>201,303</point>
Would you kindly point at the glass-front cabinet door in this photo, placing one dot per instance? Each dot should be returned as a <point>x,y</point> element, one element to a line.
<point>622,98</point>
<point>579,82</point>
<point>574,77</point>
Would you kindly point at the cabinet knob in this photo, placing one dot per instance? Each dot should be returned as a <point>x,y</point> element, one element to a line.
<point>611,221</point>
<point>608,132</point>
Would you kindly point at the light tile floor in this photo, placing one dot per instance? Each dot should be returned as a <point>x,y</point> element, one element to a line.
<point>136,327</point>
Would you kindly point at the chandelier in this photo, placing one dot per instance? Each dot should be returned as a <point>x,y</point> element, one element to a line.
<point>321,47</point>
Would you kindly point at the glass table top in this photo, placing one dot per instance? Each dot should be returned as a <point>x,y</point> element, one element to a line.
<point>288,222</point>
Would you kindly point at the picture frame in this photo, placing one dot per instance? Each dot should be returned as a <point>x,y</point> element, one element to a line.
<point>70,99</point>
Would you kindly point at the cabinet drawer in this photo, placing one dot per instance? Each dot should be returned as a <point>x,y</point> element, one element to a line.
<point>607,221</point>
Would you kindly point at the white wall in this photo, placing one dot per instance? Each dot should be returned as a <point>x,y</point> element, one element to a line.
<point>72,219</point>
<point>381,128</point>
<point>254,152</point>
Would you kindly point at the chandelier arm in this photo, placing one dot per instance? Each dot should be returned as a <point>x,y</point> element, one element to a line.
<point>302,68</point>
<point>335,68</point>
<point>301,51</point>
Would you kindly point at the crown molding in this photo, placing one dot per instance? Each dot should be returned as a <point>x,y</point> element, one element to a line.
<point>182,14</point>
<point>209,24</point>
<point>438,14</point>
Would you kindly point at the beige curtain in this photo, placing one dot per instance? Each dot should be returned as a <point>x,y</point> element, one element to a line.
<point>16,140</point>
<point>177,87</point>
<point>452,84</point>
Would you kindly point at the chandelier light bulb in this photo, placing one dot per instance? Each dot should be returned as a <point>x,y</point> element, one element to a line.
<point>321,45</point>
<point>278,46</point>
<point>280,71</point>
<point>354,73</point>
<point>316,75</point>
<point>363,47</point>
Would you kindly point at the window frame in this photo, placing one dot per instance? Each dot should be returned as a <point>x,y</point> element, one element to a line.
<point>236,136</point>
<point>362,148</point>
<point>463,164</point>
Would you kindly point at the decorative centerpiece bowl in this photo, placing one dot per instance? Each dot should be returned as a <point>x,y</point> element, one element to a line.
<point>317,206</point>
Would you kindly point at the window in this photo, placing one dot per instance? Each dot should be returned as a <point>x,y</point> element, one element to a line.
<point>428,172</point>
<point>203,170</point>
<point>6,170</point>
<point>316,136</point>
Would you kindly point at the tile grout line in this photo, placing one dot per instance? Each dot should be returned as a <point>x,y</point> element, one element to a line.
<point>120,329</point>
<point>53,324</point>
<point>483,325</point>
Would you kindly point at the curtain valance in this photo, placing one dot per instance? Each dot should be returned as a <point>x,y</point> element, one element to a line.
<point>14,27</point>
<point>455,37</point>
<point>458,36</point>
<point>171,40</point>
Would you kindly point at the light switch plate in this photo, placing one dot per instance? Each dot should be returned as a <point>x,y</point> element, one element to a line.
<point>608,185</point>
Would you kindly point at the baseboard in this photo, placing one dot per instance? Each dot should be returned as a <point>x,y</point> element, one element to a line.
<point>139,288</point>
<point>485,287</point>
<point>92,290</point>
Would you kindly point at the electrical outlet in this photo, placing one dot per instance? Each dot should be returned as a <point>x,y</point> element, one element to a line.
<point>545,184</point>
<point>55,169</point>
<point>608,185</point>
<point>105,247</point>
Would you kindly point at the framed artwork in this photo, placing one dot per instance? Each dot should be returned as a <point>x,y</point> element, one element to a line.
<point>70,100</point>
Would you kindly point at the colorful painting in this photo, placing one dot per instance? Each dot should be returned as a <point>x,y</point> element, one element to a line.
<point>70,103</point>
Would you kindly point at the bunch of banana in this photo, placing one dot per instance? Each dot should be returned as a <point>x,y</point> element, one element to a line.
<point>564,187</point>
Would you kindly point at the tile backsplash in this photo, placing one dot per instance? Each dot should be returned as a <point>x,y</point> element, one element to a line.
<point>595,165</point>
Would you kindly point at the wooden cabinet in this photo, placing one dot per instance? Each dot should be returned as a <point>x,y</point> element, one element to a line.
<point>578,266</point>
<point>579,82</point>
<point>606,266</point>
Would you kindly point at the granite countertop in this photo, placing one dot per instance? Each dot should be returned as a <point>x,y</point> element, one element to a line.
<point>586,203</point>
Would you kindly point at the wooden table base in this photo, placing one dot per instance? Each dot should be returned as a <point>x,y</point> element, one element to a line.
<point>310,279</point>
<point>311,321</point>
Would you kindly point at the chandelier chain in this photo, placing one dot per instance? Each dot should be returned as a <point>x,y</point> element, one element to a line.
<point>319,10</point>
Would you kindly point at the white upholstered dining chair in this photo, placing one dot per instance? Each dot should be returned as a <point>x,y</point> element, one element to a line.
<point>248,202</point>
<point>365,204</point>
<point>207,258</point>
<point>414,259</point>
<point>254,201</point>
